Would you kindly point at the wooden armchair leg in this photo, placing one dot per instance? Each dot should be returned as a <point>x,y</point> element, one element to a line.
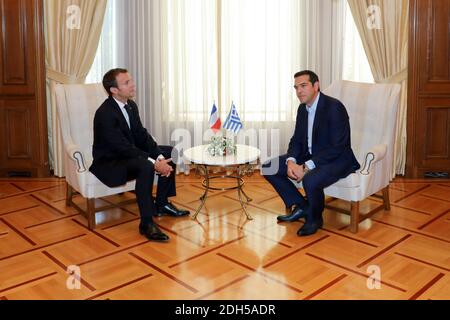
<point>90,213</point>
<point>69,195</point>
<point>386,200</point>
<point>354,219</point>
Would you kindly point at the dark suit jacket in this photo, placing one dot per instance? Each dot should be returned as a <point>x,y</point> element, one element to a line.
<point>331,146</point>
<point>115,143</point>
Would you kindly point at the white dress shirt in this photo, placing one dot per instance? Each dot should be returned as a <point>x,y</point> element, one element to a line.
<point>311,117</point>
<point>124,111</point>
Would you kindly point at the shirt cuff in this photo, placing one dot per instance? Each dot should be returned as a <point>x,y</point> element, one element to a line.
<point>160,158</point>
<point>291,159</point>
<point>310,164</point>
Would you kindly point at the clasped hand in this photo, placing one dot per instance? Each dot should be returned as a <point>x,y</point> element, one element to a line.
<point>163,167</point>
<point>295,171</point>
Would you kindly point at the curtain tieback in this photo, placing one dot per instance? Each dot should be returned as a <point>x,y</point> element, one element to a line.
<point>397,77</point>
<point>64,78</point>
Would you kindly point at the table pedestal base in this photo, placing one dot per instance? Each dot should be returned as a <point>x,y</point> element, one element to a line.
<point>240,172</point>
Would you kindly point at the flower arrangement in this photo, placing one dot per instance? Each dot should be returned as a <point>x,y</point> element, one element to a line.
<point>221,146</point>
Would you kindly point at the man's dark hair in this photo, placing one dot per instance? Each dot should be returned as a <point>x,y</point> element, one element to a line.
<point>313,78</point>
<point>109,79</point>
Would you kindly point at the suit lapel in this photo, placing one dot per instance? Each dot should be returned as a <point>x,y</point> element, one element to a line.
<point>131,116</point>
<point>304,132</point>
<point>123,123</point>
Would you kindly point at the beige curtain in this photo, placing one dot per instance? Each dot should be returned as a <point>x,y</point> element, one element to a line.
<point>383,26</point>
<point>72,29</point>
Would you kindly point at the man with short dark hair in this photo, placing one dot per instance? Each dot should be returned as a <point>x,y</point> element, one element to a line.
<point>123,150</point>
<point>319,154</point>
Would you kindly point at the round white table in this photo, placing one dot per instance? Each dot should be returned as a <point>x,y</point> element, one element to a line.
<point>243,163</point>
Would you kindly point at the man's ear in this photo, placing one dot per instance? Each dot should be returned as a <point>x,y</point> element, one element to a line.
<point>114,90</point>
<point>317,86</point>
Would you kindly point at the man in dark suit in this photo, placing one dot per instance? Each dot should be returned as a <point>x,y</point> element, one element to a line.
<point>319,154</point>
<point>123,150</point>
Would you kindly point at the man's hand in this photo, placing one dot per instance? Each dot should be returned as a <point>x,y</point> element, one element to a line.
<point>295,171</point>
<point>163,167</point>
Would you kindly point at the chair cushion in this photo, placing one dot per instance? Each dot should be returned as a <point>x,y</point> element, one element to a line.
<point>352,181</point>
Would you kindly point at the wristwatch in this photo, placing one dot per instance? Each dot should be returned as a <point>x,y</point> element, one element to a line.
<point>306,169</point>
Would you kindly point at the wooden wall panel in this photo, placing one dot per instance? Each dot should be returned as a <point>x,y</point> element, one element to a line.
<point>18,125</point>
<point>433,46</point>
<point>436,146</point>
<point>13,44</point>
<point>429,88</point>
<point>17,48</point>
<point>23,115</point>
<point>438,42</point>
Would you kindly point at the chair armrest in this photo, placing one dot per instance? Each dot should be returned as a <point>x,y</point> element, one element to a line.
<point>374,155</point>
<point>74,152</point>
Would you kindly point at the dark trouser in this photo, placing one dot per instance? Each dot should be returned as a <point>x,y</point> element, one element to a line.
<point>144,171</point>
<point>313,183</point>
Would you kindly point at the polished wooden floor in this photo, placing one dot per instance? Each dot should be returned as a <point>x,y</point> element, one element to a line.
<point>222,255</point>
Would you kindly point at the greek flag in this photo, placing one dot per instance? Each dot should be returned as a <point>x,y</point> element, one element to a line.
<point>233,122</point>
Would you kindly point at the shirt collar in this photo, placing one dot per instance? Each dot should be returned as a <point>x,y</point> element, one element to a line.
<point>314,105</point>
<point>120,103</point>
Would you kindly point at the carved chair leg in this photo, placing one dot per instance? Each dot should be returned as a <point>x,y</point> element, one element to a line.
<point>90,213</point>
<point>69,195</point>
<point>386,200</point>
<point>354,220</point>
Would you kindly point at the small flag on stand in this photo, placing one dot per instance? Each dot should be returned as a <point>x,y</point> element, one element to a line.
<point>214,120</point>
<point>233,122</point>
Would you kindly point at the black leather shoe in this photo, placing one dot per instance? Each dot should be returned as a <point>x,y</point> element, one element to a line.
<point>171,210</point>
<point>295,215</point>
<point>310,228</point>
<point>153,233</point>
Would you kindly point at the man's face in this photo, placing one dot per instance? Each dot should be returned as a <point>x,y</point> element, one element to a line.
<point>126,88</point>
<point>306,91</point>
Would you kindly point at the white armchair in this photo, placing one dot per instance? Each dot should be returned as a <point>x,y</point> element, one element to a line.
<point>76,105</point>
<point>372,109</point>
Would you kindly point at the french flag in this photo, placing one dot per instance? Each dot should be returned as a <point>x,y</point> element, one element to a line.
<point>214,121</point>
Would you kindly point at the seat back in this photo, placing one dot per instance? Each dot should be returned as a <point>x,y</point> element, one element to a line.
<point>76,105</point>
<point>372,109</point>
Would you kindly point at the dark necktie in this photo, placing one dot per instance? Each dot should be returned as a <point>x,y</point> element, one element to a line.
<point>130,117</point>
